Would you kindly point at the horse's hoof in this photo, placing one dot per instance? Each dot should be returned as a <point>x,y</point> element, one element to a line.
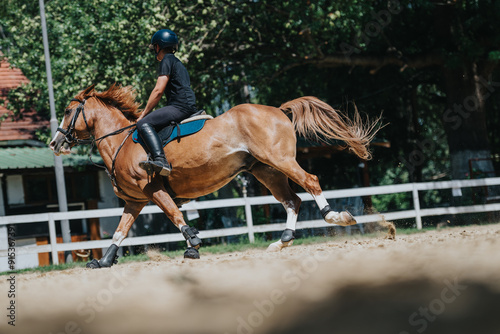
<point>191,253</point>
<point>275,246</point>
<point>347,218</point>
<point>343,218</point>
<point>333,217</point>
<point>94,264</point>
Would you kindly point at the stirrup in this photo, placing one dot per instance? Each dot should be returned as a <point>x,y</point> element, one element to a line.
<point>147,166</point>
<point>153,166</point>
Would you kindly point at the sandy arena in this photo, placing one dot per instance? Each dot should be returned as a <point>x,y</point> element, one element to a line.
<point>445,281</point>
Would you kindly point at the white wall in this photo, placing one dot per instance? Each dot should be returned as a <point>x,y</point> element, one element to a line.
<point>2,206</point>
<point>3,231</point>
<point>15,195</point>
<point>15,191</point>
<point>22,261</point>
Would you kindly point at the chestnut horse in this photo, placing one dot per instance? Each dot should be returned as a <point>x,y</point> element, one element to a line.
<point>254,138</point>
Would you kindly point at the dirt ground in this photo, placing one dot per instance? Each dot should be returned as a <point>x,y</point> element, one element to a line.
<point>444,281</point>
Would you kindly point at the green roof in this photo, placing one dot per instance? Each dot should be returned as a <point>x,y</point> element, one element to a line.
<point>39,157</point>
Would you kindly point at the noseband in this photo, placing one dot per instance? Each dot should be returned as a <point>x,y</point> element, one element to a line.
<point>69,132</point>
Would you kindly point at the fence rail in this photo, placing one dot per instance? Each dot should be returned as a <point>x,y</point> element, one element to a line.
<point>417,213</point>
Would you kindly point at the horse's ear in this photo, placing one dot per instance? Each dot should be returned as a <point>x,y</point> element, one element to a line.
<point>88,90</point>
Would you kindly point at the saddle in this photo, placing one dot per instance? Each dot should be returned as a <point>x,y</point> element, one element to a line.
<point>189,126</point>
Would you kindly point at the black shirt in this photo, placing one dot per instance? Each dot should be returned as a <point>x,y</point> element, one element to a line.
<point>178,90</point>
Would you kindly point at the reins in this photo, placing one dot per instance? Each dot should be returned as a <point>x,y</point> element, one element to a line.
<point>68,135</point>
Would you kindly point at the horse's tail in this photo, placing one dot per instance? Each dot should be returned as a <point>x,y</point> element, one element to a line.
<point>316,120</point>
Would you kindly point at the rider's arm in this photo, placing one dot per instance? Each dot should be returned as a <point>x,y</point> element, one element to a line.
<point>156,94</point>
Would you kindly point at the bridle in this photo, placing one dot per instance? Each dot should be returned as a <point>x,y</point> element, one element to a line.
<point>69,136</point>
<point>69,132</point>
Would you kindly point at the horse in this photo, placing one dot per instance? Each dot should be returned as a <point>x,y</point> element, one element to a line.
<point>254,138</point>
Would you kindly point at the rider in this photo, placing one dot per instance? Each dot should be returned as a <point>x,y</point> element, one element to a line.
<point>173,81</point>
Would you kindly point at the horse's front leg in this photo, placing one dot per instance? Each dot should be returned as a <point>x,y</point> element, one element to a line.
<point>130,213</point>
<point>157,193</point>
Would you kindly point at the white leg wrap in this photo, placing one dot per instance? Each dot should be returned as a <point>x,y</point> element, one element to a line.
<point>291,218</point>
<point>320,200</point>
<point>343,218</point>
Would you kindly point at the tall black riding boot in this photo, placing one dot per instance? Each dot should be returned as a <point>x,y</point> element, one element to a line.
<point>153,143</point>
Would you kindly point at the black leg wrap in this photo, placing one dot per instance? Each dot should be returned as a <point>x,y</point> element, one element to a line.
<point>110,257</point>
<point>287,235</point>
<point>325,211</point>
<point>94,264</point>
<point>190,234</point>
<point>191,253</point>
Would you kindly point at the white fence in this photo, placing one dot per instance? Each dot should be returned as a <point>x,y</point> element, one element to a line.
<point>417,213</point>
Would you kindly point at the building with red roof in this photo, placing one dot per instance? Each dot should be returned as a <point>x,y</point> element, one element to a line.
<point>16,130</point>
<point>27,180</point>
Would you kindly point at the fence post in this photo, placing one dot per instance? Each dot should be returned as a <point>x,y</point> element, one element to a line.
<point>53,239</point>
<point>248,216</point>
<point>416,205</point>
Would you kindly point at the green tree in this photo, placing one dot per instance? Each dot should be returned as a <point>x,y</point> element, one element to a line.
<point>99,42</point>
<point>430,66</point>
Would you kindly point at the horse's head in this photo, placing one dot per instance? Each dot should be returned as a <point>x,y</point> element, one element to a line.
<point>80,117</point>
<point>74,128</point>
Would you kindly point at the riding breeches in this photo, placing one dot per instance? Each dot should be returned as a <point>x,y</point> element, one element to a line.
<point>162,117</point>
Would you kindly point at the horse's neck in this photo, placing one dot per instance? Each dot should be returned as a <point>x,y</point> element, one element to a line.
<point>109,121</point>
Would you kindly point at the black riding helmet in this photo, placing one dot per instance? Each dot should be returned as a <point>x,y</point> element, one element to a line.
<point>164,38</point>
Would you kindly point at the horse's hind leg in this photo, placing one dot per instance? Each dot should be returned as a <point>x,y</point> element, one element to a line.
<point>311,184</point>
<point>289,166</point>
<point>277,183</point>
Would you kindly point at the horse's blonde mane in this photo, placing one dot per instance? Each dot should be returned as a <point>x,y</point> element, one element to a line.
<point>122,98</point>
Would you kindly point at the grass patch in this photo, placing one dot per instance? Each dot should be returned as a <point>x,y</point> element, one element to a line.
<point>44,269</point>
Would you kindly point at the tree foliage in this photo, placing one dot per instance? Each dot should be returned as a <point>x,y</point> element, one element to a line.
<point>411,59</point>
<point>90,42</point>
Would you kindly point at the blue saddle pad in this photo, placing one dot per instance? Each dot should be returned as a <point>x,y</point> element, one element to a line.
<point>169,133</point>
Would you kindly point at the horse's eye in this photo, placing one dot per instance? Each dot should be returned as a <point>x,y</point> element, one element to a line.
<point>67,111</point>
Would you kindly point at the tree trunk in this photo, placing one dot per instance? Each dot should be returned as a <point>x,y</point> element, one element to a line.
<point>467,88</point>
<point>464,121</point>
<point>415,131</point>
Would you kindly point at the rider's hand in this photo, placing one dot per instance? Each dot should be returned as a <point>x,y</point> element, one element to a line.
<point>141,116</point>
